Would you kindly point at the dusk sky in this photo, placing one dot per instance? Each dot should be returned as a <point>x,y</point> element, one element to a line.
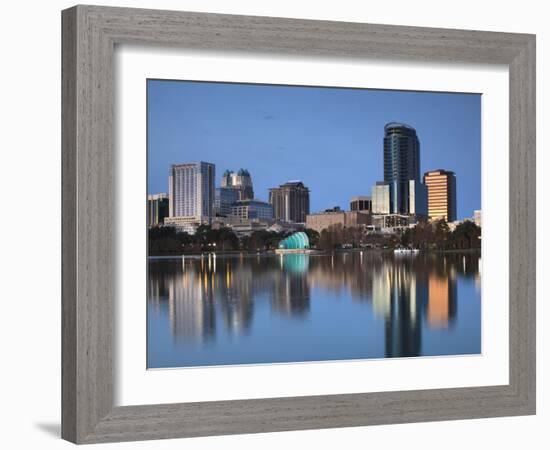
<point>330,138</point>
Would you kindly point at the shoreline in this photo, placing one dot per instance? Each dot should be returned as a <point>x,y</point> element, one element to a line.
<point>313,252</point>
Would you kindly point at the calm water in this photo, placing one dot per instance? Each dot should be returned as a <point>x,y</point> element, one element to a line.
<point>350,305</point>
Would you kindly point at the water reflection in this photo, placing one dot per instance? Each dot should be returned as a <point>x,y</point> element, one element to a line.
<point>208,301</point>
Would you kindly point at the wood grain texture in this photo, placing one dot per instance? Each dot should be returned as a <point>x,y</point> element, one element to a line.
<point>89,36</point>
<point>68,225</point>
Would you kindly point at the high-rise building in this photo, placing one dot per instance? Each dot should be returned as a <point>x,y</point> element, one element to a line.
<point>418,199</point>
<point>360,203</point>
<point>157,209</point>
<point>290,202</point>
<point>224,198</point>
<point>240,181</point>
<point>401,163</point>
<point>191,190</point>
<point>381,198</point>
<point>441,186</point>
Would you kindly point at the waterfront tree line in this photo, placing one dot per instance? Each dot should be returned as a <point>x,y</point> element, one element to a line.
<point>435,235</point>
<point>165,241</point>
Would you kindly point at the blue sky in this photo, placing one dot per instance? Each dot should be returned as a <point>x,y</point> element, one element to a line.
<point>330,138</point>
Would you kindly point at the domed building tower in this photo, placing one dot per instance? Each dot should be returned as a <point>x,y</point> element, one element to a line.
<point>241,181</point>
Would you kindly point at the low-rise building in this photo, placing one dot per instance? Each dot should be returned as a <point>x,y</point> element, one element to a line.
<point>247,227</point>
<point>188,224</point>
<point>360,203</point>
<point>321,221</point>
<point>251,209</point>
<point>391,223</point>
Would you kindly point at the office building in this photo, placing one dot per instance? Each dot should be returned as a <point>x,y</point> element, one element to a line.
<point>223,199</point>
<point>401,163</point>
<point>241,181</point>
<point>157,209</point>
<point>251,210</point>
<point>290,202</point>
<point>381,198</point>
<point>441,185</point>
<point>417,199</point>
<point>191,190</point>
<point>347,219</point>
<point>361,203</point>
<point>391,223</point>
<point>188,225</point>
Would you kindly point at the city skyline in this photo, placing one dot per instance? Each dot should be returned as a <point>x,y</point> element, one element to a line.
<point>176,136</point>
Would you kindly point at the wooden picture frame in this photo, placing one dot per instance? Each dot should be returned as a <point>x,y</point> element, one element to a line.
<point>90,34</point>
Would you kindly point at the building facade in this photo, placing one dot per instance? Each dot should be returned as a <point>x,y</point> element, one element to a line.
<point>241,181</point>
<point>181,223</point>
<point>381,198</point>
<point>401,163</point>
<point>391,223</point>
<point>324,220</point>
<point>417,199</point>
<point>251,210</point>
<point>157,209</point>
<point>290,202</point>
<point>191,190</point>
<point>361,203</point>
<point>441,185</point>
<point>223,199</point>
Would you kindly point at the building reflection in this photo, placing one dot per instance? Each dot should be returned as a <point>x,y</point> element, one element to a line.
<point>191,307</point>
<point>441,301</point>
<point>204,298</point>
<point>398,295</point>
<point>291,288</point>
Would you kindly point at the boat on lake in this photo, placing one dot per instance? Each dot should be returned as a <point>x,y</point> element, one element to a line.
<point>405,251</point>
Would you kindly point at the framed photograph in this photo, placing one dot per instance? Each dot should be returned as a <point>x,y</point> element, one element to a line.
<point>278,224</point>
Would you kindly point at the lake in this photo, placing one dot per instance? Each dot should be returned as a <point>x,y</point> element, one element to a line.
<point>251,309</point>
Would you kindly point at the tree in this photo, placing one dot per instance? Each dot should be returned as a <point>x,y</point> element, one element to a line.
<point>313,236</point>
<point>167,241</point>
<point>466,235</point>
<point>258,240</point>
<point>441,233</point>
<point>422,235</point>
<point>407,237</point>
<point>226,239</point>
<point>326,240</point>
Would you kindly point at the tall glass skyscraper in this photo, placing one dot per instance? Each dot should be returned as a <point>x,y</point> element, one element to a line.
<point>401,163</point>
<point>224,198</point>
<point>191,190</point>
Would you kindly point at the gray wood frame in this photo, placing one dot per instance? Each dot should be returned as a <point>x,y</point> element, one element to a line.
<point>89,36</point>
